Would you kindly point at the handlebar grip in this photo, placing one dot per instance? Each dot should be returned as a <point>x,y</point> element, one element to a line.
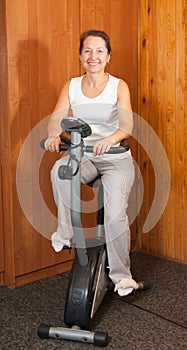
<point>65,139</point>
<point>61,146</point>
<point>112,150</point>
<point>42,143</point>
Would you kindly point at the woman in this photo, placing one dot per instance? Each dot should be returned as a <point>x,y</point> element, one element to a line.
<point>103,101</point>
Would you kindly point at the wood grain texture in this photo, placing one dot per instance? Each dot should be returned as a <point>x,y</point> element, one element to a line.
<point>39,53</point>
<point>119,19</point>
<point>6,236</point>
<point>42,56</point>
<point>3,87</point>
<point>162,80</point>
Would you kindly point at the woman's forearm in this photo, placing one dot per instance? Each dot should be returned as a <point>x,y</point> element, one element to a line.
<point>117,136</point>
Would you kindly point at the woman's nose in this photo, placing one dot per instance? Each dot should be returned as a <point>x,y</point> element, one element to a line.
<point>93,55</point>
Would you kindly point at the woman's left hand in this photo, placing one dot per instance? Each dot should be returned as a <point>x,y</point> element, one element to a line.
<point>102,147</point>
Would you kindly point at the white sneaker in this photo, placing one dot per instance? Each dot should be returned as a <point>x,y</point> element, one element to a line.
<point>58,243</point>
<point>125,286</point>
<point>124,292</point>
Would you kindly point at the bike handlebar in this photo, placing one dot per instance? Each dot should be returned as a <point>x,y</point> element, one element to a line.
<point>89,149</point>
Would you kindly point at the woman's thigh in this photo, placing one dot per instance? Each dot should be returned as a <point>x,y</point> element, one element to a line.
<point>117,178</point>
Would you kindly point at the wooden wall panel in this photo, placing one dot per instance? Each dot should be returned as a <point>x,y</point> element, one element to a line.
<point>162,103</point>
<point>1,228</point>
<point>5,188</point>
<point>119,19</point>
<point>42,56</point>
<point>3,88</point>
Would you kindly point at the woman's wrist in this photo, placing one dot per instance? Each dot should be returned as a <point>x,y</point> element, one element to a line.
<point>53,136</point>
<point>111,140</point>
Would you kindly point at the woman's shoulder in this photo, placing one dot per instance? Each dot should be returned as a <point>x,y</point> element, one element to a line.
<point>124,95</point>
<point>119,80</point>
<point>76,79</point>
<point>75,82</point>
<point>69,85</point>
<point>113,78</point>
<point>123,85</point>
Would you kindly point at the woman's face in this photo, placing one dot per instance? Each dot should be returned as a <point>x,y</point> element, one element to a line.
<point>94,56</point>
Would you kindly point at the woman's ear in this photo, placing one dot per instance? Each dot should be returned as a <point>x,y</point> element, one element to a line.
<point>108,58</point>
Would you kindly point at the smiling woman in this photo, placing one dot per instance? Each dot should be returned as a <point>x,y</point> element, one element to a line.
<point>94,55</point>
<point>103,101</point>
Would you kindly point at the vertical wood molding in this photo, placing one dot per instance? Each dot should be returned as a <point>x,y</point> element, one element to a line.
<point>7,248</point>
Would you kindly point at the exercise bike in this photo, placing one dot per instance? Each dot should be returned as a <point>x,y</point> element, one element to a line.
<point>89,280</point>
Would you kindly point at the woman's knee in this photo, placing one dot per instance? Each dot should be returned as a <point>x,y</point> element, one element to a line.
<point>55,169</point>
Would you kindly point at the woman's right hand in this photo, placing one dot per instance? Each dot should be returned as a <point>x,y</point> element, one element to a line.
<point>52,144</point>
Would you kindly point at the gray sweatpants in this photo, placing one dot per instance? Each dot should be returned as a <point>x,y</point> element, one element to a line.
<point>117,179</point>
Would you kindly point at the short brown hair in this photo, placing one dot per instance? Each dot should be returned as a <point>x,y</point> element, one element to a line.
<point>99,33</point>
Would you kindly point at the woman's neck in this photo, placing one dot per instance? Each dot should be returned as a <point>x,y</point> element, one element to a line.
<point>94,84</point>
<point>96,80</point>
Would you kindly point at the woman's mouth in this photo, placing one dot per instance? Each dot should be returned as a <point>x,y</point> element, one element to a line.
<point>93,63</point>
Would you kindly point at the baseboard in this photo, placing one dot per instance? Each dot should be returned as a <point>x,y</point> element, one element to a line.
<point>43,273</point>
<point>161,256</point>
<point>1,278</point>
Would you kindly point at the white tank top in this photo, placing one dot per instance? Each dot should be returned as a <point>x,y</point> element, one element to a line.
<point>99,112</point>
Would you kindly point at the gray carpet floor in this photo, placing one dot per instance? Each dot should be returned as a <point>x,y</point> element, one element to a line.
<point>155,320</point>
